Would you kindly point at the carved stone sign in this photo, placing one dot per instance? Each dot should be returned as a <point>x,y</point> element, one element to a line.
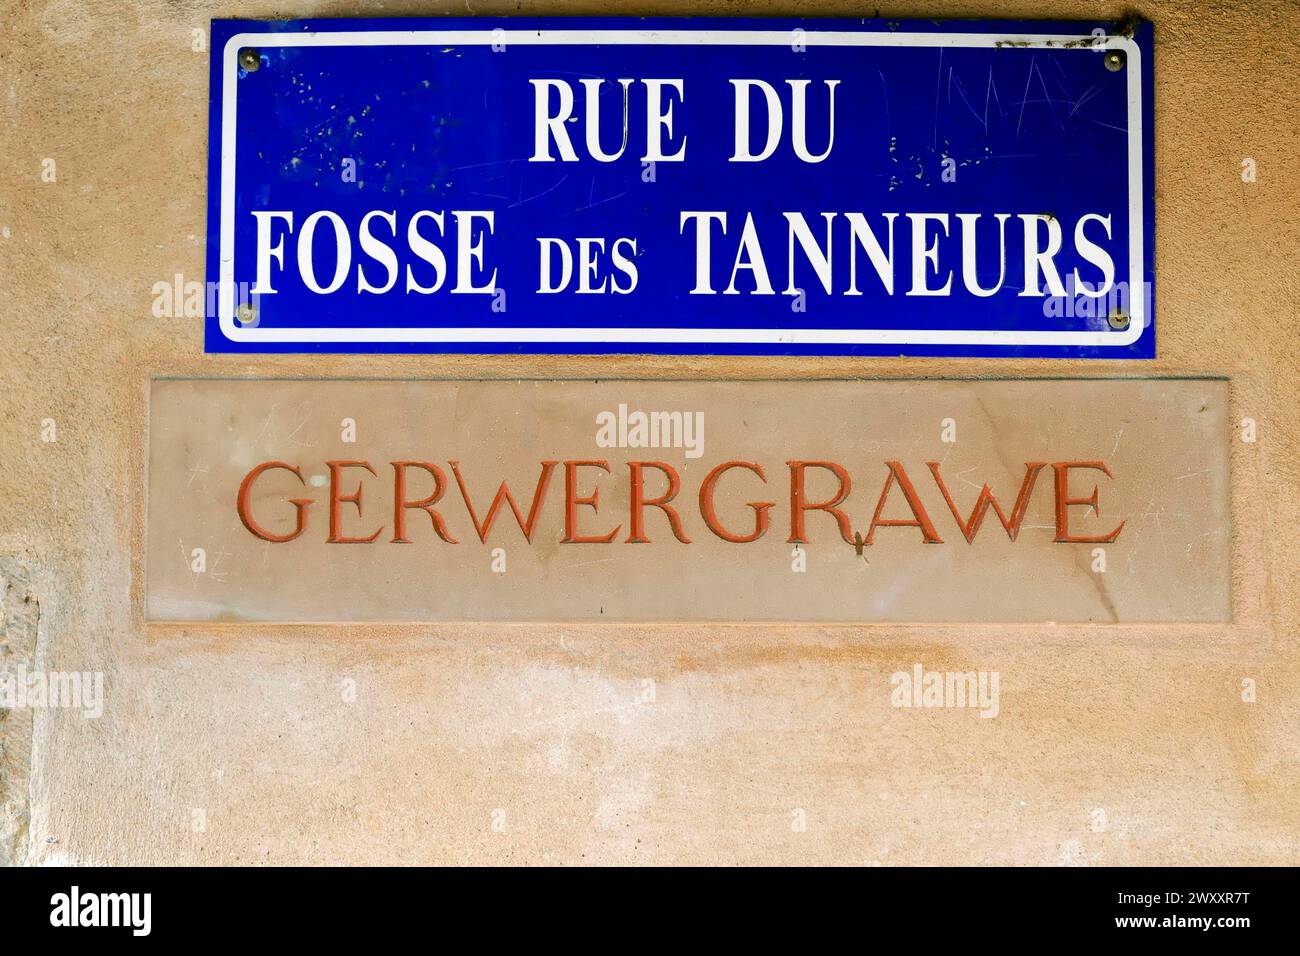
<point>1027,500</point>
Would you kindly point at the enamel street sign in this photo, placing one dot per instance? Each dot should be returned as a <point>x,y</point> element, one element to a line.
<point>955,188</point>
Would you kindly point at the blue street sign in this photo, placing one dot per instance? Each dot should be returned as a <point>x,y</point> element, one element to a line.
<point>826,187</point>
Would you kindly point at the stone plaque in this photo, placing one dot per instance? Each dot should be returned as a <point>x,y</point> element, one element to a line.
<point>835,501</point>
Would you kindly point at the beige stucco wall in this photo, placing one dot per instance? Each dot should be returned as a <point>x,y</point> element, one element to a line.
<point>1115,744</point>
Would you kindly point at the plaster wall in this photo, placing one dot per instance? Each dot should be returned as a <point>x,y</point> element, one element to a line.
<point>1116,744</point>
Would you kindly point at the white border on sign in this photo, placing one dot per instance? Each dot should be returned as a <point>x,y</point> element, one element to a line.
<point>226,284</point>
